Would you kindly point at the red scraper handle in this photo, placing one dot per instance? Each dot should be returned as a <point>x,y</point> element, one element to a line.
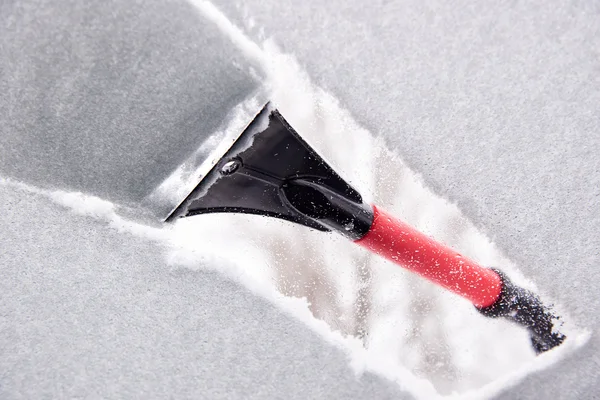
<point>415,251</point>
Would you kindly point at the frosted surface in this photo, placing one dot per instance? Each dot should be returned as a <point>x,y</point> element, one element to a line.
<point>493,107</point>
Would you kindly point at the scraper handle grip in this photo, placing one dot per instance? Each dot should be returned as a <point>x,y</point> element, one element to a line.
<point>525,308</point>
<point>404,245</point>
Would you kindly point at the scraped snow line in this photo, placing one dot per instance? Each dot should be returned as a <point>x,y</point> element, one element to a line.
<point>91,206</point>
<point>247,46</point>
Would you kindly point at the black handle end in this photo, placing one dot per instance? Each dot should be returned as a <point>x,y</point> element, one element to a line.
<point>526,309</point>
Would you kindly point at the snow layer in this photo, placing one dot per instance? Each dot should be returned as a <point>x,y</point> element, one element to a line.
<point>92,310</point>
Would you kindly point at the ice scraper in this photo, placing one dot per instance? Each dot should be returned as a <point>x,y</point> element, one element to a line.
<point>271,171</point>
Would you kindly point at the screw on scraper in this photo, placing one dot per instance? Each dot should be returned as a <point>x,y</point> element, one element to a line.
<point>231,166</point>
